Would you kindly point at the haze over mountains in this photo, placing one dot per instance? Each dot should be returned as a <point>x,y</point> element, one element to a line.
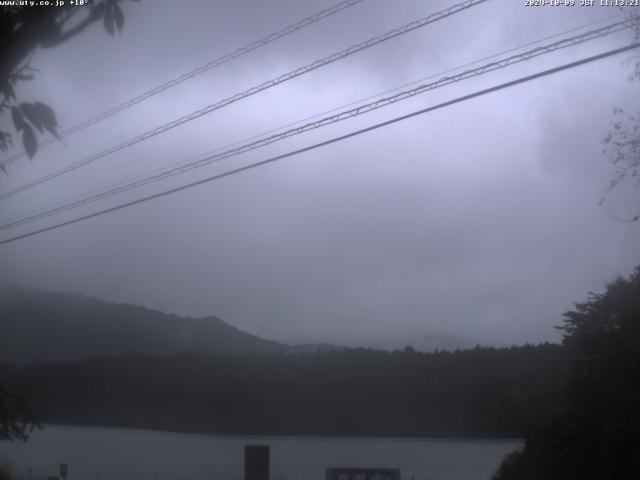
<point>47,326</point>
<point>158,371</point>
<point>40,325</point>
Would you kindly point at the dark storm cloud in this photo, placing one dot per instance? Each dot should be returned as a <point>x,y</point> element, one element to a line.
<point>480,220</point>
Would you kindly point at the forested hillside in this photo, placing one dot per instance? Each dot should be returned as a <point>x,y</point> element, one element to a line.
<point>593,433</point>
<point>50,326</point>
<point>478,392</point>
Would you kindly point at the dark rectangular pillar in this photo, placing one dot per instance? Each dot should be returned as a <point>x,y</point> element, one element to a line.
<point>256,462</point>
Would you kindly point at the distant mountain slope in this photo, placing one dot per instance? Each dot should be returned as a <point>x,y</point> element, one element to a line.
<point>39,325</point>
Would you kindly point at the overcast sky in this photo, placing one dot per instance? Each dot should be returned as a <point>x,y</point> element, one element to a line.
<point>479,220</point>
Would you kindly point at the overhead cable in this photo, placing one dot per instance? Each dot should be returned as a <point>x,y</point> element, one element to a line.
<point>276,158</point>
<point>252,91</point>
<point>344,115</point>
<point>305,22</point>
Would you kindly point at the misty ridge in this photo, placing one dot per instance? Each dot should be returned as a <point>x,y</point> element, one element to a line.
<point>97,363</point>
<point>41,325</point>
<point>575,403</point>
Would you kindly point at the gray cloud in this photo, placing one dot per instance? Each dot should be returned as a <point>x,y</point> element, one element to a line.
<point>478,220</point>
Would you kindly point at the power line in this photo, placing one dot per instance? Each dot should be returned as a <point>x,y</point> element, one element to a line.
<point>364,99</point>
<point>344,115</point>
<point>327,120</point>
<point>252,91</point>
<point>326,112</point>
<point>331,141</point>
<point>305,22</point>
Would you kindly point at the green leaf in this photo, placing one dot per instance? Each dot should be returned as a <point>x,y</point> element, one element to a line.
<point>107,20</point>
<point>29,141</point>
<point>48,33</point>
<point>97,11</point>
<point>5,141</point>
<point>16,115</point>
<point>33,115</point>
<point>41,116</point>
<point>7,90</point>
<point>118,17</point>
<point>48,118</point>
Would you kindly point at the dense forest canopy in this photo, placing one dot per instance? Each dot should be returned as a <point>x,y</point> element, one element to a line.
<point>595,432</point>
<point>477,392</point>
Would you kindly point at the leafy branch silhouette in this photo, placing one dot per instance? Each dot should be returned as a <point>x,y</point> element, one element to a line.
<point>25,29</point>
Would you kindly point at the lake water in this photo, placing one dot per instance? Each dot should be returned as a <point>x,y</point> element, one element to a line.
<point>121,454</point>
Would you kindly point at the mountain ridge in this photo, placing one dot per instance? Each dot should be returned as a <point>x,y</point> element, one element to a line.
<point>41,325</point>
<point>45,325</point>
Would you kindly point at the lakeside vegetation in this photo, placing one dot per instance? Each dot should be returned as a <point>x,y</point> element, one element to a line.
<point>593,432</point>
<point>477,392</point>
<point>576,404</point>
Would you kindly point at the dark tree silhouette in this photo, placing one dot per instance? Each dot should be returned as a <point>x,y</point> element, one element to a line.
<point>16,418</point>
<point>622,143</point>
<point>24,29</point>
<point>595,433</point>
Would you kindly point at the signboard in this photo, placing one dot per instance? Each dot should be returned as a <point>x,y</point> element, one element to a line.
<point>337,473</point>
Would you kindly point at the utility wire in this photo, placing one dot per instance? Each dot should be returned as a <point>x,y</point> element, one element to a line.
<point>354,112</point>
<point>305,22</point>
<point>252,91</point>
<point>343,106</point>
<point>276,158</point>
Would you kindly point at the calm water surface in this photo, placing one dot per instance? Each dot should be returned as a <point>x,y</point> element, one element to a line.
<point>122,454</point>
